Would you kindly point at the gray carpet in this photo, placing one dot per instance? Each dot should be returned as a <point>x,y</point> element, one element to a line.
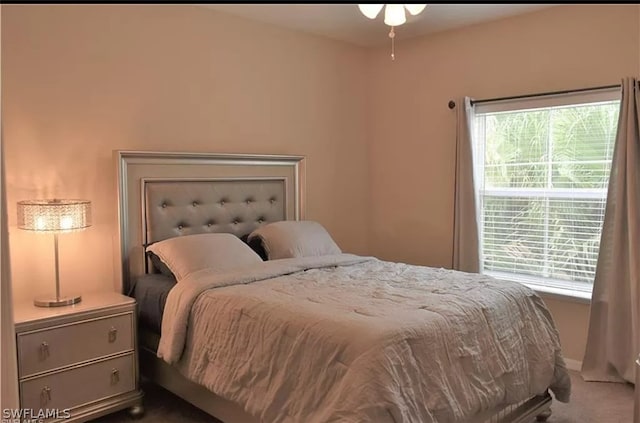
<point>595,402</point>
<point>591,402</point>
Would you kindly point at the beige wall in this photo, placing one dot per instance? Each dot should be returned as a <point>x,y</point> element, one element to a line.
<point>81,81</point>
<point>8,364</point>
<point>413,131</point>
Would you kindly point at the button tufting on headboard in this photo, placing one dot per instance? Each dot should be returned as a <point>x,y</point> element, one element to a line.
<point>235,206</point>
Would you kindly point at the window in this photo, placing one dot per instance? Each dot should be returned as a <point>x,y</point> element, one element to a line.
<point>542,170</point>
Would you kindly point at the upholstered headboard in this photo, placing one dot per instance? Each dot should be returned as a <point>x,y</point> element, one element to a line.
<point>163,195</point>
<point>175,207</point>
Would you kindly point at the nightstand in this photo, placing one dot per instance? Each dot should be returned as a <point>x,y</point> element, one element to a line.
<point>78,362</point>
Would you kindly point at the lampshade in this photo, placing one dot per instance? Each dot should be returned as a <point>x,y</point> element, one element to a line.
<point>54,215</point>
<point>394,15</point>
<point>370,10</point>
<point>415,9</point>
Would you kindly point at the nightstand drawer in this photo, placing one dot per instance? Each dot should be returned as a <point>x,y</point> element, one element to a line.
<point>61,346</point>
<point>81,385</point>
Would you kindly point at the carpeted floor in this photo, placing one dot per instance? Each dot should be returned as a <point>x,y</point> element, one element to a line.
<point>595,402</point>
<point>591,402</point>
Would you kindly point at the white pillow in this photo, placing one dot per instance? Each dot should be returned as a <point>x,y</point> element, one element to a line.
<point>220,251</point>
<point>293,238</point>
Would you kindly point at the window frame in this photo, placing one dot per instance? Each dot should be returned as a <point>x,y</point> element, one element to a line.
<point>576,290</point>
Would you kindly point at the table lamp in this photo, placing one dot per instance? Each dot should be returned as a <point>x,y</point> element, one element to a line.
<point>54,216</point>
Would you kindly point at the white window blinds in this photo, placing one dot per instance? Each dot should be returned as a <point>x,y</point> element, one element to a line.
<point>542,169</point>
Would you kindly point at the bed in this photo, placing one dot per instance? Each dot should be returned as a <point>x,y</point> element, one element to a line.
<point>167,195</point>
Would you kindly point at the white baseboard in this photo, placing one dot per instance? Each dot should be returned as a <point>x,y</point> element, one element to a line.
<point>573,364</point>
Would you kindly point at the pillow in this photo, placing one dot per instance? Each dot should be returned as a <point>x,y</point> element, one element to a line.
<point>292,238</point>
<point>186,254</point>
<point>256,245</point>
<point>159,265</point>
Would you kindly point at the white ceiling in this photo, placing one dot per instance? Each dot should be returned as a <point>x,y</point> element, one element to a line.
<point>345,22</point>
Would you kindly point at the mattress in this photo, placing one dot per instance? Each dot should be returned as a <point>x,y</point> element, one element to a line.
<point>150,292</point>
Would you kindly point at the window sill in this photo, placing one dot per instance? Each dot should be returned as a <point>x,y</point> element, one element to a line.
<point>561,294</point>
<point>555,292</point>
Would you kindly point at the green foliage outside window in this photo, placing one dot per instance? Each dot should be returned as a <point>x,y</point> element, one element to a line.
<point>546,173</point>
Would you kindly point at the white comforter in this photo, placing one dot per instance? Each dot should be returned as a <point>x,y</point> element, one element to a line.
<point>355,339</point>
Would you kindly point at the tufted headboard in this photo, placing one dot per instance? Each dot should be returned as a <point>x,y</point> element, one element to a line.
<point>175,207</point>
<point>163,195</point>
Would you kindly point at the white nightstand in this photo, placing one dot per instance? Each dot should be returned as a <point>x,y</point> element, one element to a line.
<point>81,358</point>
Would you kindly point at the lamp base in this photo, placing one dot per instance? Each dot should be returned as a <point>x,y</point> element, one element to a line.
<point>57,302</point>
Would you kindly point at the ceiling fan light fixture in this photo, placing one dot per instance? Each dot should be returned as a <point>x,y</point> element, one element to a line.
<point>370,10</point>
<point>415,9</point>
<point>394,15</point>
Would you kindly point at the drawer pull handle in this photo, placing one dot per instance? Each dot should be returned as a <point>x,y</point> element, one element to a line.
<point>45,395</point>
<point>44,350</point>
<point>113,334</point>
<point>115,376</point>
